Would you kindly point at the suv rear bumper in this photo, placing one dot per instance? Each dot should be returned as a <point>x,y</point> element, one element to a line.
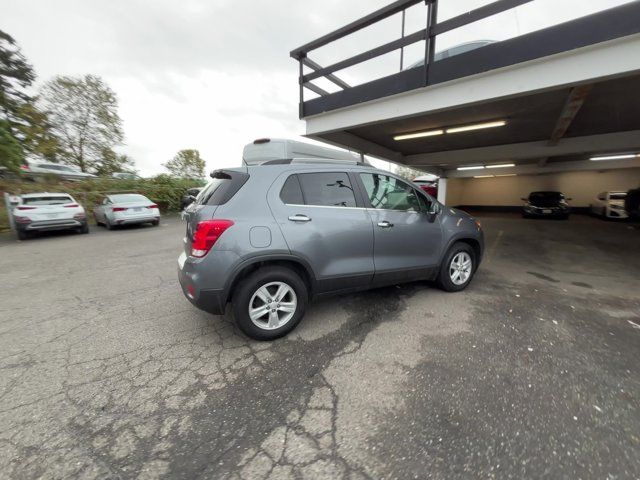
<point>209,300</point>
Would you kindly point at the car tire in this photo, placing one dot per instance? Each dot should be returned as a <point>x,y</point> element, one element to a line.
<point>448,280</point>
<point>22,235</point>
<point>155,223</point>
<point>107,224</point>
<point>85,228</point>
<point>250,293</point>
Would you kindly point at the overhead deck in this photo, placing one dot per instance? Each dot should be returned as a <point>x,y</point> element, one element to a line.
<point>565,93</point>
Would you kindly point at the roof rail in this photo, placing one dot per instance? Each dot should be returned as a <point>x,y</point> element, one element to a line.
<point>313,161</point>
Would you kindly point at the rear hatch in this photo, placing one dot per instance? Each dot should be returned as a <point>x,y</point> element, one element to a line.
<point>45,208</point>
<point>223,186</point>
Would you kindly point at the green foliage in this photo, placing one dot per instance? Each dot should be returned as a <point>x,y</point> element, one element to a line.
<point>84,116</point>
<point>164,190</point>
<point>11,153</point>
<point>113,162</point>
<point>186,164</point>
<point>16,75</point>
<point>408,173</point>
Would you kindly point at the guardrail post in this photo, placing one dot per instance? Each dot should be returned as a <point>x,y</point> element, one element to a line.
<point>430,42</point>
<point>301,82</point>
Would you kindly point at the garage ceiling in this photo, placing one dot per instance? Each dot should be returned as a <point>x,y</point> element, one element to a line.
<point>611,106</point>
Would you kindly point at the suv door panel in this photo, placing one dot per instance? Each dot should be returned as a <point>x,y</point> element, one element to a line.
<point>407,241</point>
<point>336,241</point>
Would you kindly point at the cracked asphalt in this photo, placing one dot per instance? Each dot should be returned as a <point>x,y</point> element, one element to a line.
<point>106,371</point>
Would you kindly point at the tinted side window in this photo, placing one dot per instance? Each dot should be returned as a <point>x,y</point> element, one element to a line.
<point>327,189</point>
<point>291,192</point>
<point>389,193</point>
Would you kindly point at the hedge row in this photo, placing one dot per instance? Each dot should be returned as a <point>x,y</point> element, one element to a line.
<point>164,190</point>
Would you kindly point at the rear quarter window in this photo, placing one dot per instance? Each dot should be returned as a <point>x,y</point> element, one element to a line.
<point>224,185</point>
<point>291,192</point>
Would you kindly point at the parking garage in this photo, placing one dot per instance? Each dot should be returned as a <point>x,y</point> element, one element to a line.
<point>553,109</point>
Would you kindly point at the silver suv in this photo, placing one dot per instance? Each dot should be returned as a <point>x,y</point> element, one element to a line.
<point>270,238</point>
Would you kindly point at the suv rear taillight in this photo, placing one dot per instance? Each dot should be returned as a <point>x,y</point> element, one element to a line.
<point>27,208</point>
<point>206,235</point>
<point>118,209</point>
<point>71,205</point>
<point>25,168</point>
<point>152,206</point>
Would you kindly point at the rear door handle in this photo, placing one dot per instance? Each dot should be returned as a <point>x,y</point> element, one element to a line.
<point>299,218</point>
<point>385,224</point>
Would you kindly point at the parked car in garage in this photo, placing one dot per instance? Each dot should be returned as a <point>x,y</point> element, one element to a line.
<point>33,170</point>
<point>610,205</point>
<point>428,184</point>
<point>632,203</point>
<point>189,197</point>
<point>546,205</point>
<point>126,209</point>
<point>319,229</point>
<point>39,212</point>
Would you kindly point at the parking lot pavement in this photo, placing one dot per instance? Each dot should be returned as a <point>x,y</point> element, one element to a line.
<point>108,372</point>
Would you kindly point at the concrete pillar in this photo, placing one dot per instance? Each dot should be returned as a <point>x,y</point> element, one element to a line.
<point>442,190</point>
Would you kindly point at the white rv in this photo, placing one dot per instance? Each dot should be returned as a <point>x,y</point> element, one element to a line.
<point>278,150</point>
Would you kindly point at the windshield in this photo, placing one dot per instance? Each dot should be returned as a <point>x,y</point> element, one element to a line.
<point>47,200</point>
<point>128,198</point>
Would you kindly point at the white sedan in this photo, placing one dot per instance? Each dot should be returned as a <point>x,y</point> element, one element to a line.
<point>610,205</point>
<point>126,209</point>
<point>37,212</point>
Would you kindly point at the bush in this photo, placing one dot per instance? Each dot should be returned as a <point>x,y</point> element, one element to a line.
<point>164,190</point>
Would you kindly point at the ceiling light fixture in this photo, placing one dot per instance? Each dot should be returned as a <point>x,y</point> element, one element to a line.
<point>476,126</point>
<point>507,175</point>
<point>441,131</point>
<point>623,156</point>
<point>483,176</point>
<point>428,133</point>
<point>503,165</point>
<point>476,167</point>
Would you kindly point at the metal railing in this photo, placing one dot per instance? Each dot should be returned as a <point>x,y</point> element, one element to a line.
<point>620,21</point>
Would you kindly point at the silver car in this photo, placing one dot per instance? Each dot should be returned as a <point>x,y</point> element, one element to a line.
<point>269,238</point>
<point>34,170</point>
<point>126,209</point>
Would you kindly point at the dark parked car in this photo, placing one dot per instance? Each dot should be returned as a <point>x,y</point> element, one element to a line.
<point>632,203</point>
<point>188,197</point>
<point>270,238</point>
<point>546,205</point>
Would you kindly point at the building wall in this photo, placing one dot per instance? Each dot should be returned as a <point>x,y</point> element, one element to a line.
<point>582,187</point>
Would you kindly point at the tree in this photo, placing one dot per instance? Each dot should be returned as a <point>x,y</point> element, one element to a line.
<point>187,164</point>
<point>11,153</point>
<point>24,122</point>
<point>113,162</point>
<point>408,172</point>
<point>84,116</point>
<point>16,75</point>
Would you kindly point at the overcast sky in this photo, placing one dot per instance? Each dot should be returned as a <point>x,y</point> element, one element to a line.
<point>216,74</point>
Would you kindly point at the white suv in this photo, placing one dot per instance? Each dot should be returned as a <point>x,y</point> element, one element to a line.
<point>48,211</point>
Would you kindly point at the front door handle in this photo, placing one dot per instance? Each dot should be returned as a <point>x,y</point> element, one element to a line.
<point>299,218</point>
<point>385,224</point>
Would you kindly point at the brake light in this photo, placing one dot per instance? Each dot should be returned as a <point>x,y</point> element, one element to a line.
<point>25,168</point>
<point>27,208</point>
<point>72,205</point>
<point>22,219</point>
<point>206,235</point>
<point>118,209</point>
<point>153,206</point>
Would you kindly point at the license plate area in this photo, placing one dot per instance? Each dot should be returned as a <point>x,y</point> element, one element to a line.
<point>546,211</point>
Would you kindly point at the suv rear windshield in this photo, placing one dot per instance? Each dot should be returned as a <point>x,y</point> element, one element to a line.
<point>222,188</point>
<point>58,200</point>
